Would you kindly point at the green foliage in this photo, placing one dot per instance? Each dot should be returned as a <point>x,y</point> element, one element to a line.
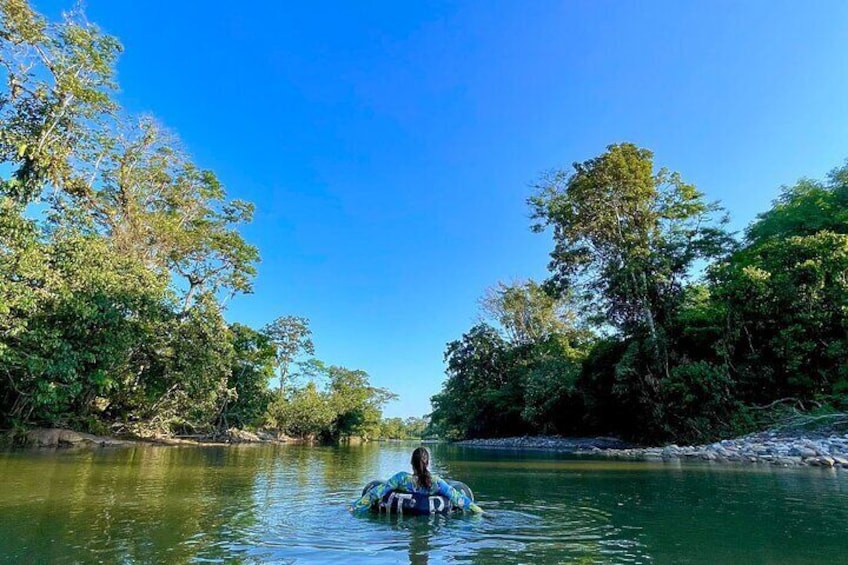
<point>357,404</point>
<point>476,399</point>
<point>625,240</point>
<point>60,83</point>
<point>674,357</point>
<point>252,369</point>
<point>785,296</point>
<point>698,400</point>
<point>305,413</point>
<point>552,403</point>
<point>787,303</point>
<point>291,336</point>
<point>117,255</point>
<point>626,234</point>
<point>806,208</point>
<point>348,406</point>
<point>72,325</point>
<point>399,428</point>
<point>526,311</point>
<point>497,388</point>
<point>196,370</point>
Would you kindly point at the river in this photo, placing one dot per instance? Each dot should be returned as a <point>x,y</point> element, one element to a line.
<point>286,504</point>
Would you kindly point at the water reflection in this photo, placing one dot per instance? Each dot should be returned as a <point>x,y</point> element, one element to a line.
<point>129,505</point>
<point>257,504</point>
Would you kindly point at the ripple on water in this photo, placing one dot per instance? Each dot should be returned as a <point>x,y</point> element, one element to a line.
<point>287,505</point>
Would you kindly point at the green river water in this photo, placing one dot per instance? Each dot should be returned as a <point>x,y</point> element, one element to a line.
<point>286,504</point>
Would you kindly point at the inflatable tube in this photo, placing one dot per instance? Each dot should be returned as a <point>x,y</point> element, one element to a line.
<point>413,503</point>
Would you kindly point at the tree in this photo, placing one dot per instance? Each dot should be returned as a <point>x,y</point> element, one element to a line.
<point>785,303</point>
<point>399,428</point>
<point>311,369</point>
<point>305,413</point>
<point>357,404</point>
<point>75,316</point>
<point>192,388</point>
<point>117,255</point>
<point>479,397</point>
<point>783,297</point>
<point>806,208</point>
<point>146,195</point>
<point>526,311</point>
<point>550,369</point>
<point>393,428</point>
<point>627,237</point>
<point>61,128</point>
<point>348,406</point>
<point>60,78</point>
<point>415,427</point>
<point>291,336</point>
<point>254,359</point>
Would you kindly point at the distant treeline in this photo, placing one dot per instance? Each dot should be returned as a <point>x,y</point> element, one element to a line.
<point>117,255</point>
<point>657,323</point>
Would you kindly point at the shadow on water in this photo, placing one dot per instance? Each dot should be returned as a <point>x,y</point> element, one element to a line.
<point>255,504</point>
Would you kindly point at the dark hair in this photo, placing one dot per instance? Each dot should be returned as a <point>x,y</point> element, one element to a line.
<point>420,461</point>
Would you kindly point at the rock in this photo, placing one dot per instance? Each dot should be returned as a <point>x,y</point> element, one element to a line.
<point>802,452</point>
<point>265,435</point>
<point>55,437</point>
<point>765,447</point>
<point>235,435</point>
<point>670,452</point>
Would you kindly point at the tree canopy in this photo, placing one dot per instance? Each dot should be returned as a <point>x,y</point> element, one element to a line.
<point>685,332</point>
<point>118,254</point>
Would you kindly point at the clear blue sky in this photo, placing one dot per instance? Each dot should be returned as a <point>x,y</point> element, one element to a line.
<point>389,146</point>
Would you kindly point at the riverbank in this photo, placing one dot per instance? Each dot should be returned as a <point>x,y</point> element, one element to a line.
<point>764,448</point>
<point>64,438</point>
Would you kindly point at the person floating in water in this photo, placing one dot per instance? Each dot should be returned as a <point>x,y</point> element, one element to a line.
<point>419,482</point>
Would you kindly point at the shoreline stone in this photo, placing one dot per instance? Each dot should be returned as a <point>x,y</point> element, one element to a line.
<point>762,448</point>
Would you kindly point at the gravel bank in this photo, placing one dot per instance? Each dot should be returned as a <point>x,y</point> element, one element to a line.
<point>765,448</point>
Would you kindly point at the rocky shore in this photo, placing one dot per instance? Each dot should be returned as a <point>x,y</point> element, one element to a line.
<point>764,448</point>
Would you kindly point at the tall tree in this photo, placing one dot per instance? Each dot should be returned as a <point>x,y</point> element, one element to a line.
<point>292,337</point>
<point>628,236</point>
<point>154,203</point>
<point>60,128</point>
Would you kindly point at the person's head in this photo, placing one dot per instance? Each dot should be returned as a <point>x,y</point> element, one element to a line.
<point>420,464</point>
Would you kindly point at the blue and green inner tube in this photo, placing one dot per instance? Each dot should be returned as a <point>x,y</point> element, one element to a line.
<point>395,502</point>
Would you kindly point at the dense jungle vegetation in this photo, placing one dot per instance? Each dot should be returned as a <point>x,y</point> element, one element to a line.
<point>656,323</point>
<point>117,256</point>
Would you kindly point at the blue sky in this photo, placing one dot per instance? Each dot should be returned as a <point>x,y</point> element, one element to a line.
<point>389,146</point>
